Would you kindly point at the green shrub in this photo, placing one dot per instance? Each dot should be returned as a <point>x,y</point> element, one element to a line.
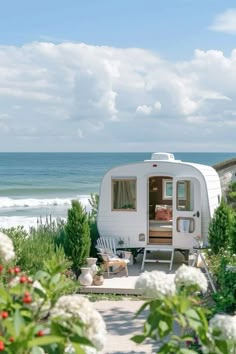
<point>219,228</point>
<point>35,247</point>
<point>231,195</point>
<point>77,235</point>
<point>224,267</point>
<point>233,235</point>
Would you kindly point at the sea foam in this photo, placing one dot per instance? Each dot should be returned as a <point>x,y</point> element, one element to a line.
<point>40,202</point>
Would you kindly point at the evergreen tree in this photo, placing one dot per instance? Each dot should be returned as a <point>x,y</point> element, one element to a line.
<point>94,235</point>
<point>233,234</point>
<point>77,235</point>
<point>219,228</point>
<point>231,195</point>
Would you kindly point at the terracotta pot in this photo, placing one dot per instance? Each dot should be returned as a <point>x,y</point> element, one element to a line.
<point>98,280</point>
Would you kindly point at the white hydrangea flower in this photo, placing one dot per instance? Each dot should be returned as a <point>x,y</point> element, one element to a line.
<point>226,324</point>
<point>6,249</point>
<point>76,306</point>
<point>189,276</point>
<point>155,284</point>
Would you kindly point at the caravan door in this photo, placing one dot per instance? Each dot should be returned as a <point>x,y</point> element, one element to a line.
<point>186,212</point>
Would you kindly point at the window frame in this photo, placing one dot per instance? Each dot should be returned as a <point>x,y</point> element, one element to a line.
<point>165,181</point>
<point>128,178</point>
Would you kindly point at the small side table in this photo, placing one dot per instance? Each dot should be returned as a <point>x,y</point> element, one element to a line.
<point>198,251</point>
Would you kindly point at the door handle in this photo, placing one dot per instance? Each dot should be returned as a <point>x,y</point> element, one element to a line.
<point>197,214</point>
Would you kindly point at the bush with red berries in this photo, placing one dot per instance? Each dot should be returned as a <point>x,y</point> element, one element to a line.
<point>26,326</point>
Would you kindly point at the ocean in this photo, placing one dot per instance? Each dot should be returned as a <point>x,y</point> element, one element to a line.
<point>34,185</point>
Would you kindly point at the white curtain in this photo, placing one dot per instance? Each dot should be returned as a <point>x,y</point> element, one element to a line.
<point>124,194</point>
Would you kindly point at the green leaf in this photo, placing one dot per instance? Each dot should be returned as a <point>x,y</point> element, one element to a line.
<point>55,279</point>
<point>77,348</point>
<point>36,350</point>
<point>4,297</point>
<point>139,338</point>
<point>19,322</point>
<point>41,275</point>
<point>163,328</point>
<point>222,345</point>
<point>187,351</point>
<point>142,308</point>
<point>42,341</point>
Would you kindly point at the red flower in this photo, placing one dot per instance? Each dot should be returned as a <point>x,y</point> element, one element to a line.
<point>40,333</point>
<point>11,270</point>
<point>1,268</point>
<point>27,299</point>
<point>11,339</point>
<point>2,347</point>
<point>23,279</point>
<point>4,314</point>
<point>17,270</point>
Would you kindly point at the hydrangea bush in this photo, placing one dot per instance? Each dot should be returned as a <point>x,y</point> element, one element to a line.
<point>177,319</point>
<point>36,319</point>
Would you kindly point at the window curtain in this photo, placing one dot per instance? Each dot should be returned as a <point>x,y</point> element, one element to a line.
<point>124,194</point>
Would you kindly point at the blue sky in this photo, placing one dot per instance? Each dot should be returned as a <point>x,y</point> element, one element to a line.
<point>164,26</point>
<point>179,78</point>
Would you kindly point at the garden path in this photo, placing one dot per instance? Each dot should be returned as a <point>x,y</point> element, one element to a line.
<point>121,326</point>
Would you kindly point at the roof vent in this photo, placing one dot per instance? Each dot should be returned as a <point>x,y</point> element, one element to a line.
<point>162,156</point>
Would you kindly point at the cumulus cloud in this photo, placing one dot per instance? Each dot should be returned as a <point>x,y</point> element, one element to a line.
<point>225,22</point>
<point>78,97</point>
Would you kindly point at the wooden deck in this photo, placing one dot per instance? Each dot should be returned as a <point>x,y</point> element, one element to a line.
<point>120,284</point>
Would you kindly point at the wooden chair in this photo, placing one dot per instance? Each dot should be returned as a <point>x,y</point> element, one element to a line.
<point>107,250</point>
<point>110,261</point>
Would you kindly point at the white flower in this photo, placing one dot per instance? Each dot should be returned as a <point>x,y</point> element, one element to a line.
<point>189,276</point>
<point>226,325</point>
<point>6,248</point>
<point>155,284</point>
<point>75,306</point>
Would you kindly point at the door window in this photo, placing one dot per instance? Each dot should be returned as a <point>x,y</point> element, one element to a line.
<point>185,195</point>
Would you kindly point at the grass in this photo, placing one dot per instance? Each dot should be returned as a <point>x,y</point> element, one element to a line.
<point>113,297</point>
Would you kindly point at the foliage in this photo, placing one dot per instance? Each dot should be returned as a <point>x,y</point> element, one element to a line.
<point>219,228</point>
<point>94,202</point>
<point>233,235</point>
<point>179,323</point>
<point>223,266</point>
<point>25,301</point>
<point>94,235</point>
<point>231,195</point>
<point>77,235</point>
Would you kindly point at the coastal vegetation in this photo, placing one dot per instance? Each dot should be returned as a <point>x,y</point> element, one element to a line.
<point>52,255</point>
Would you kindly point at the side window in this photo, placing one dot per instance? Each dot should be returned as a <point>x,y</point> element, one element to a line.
<point>124,194</point>
<point>185,196</point>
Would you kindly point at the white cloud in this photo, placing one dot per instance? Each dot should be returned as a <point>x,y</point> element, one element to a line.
<point>225,22</point>
<point>144,109</point>
<point>78,97</point>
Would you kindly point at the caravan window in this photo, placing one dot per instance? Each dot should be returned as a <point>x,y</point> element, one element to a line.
<point>184,198</point>
<point>124,194</point>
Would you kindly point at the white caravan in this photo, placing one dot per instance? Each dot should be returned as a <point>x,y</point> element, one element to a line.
<point>160,202</point>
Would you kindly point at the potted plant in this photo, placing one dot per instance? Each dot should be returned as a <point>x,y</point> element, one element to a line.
<point>98,278</point>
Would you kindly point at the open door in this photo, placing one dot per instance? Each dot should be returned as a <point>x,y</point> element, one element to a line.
<point>186,212</point>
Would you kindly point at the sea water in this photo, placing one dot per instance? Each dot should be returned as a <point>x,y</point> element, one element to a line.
<point>34,185</point>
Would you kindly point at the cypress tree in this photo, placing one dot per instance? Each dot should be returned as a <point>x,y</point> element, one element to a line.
<point>233,235</point>
<point>219,228</point>
<point>77,236</point>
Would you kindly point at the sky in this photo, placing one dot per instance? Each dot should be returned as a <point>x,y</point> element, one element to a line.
<point>118,75</point>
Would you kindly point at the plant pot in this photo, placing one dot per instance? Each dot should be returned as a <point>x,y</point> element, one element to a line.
<point>98,280</point>
<point>85,277</point>
<point>91,263</point>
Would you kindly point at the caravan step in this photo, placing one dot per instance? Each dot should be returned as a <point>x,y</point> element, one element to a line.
<point>163,248</point>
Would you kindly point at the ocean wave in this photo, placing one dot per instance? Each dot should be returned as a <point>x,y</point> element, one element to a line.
<point>6,202</point>
<point>26,222</point>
